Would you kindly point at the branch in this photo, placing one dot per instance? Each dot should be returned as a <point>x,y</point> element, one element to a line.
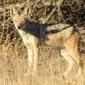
<point>48,17</point>
<point>16,5</point>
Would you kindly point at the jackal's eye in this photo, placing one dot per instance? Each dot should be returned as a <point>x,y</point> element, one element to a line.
<point>23,21</point>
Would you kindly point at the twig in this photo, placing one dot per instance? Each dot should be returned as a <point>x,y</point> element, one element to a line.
<point>16,5</point>
<point>48,17</point>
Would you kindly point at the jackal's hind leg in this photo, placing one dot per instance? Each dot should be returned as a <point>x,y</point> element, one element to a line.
<point>68,58</point>
<point>71,46</point>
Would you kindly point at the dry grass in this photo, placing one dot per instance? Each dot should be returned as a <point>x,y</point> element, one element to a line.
<point>14,67</point>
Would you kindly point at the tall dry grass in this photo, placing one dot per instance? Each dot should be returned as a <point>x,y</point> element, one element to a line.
<point>14,66</point>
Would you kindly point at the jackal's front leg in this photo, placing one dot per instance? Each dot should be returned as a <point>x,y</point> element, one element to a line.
<point>36,58</point>
<point>30,58</point>
<point>33,57</point>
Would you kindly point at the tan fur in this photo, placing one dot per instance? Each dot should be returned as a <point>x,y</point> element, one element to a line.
<point>69,40</point>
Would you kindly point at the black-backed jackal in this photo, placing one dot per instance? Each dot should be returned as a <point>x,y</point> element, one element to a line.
<point>30,36</point>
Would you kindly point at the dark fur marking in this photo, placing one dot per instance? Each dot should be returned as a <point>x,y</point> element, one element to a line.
<point>38,30</point>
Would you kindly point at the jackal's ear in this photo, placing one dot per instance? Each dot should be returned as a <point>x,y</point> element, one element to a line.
<point>13,11</point>
<point>25,10</point>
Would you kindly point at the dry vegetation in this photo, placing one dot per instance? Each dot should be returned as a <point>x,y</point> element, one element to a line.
<point>13,56</point>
